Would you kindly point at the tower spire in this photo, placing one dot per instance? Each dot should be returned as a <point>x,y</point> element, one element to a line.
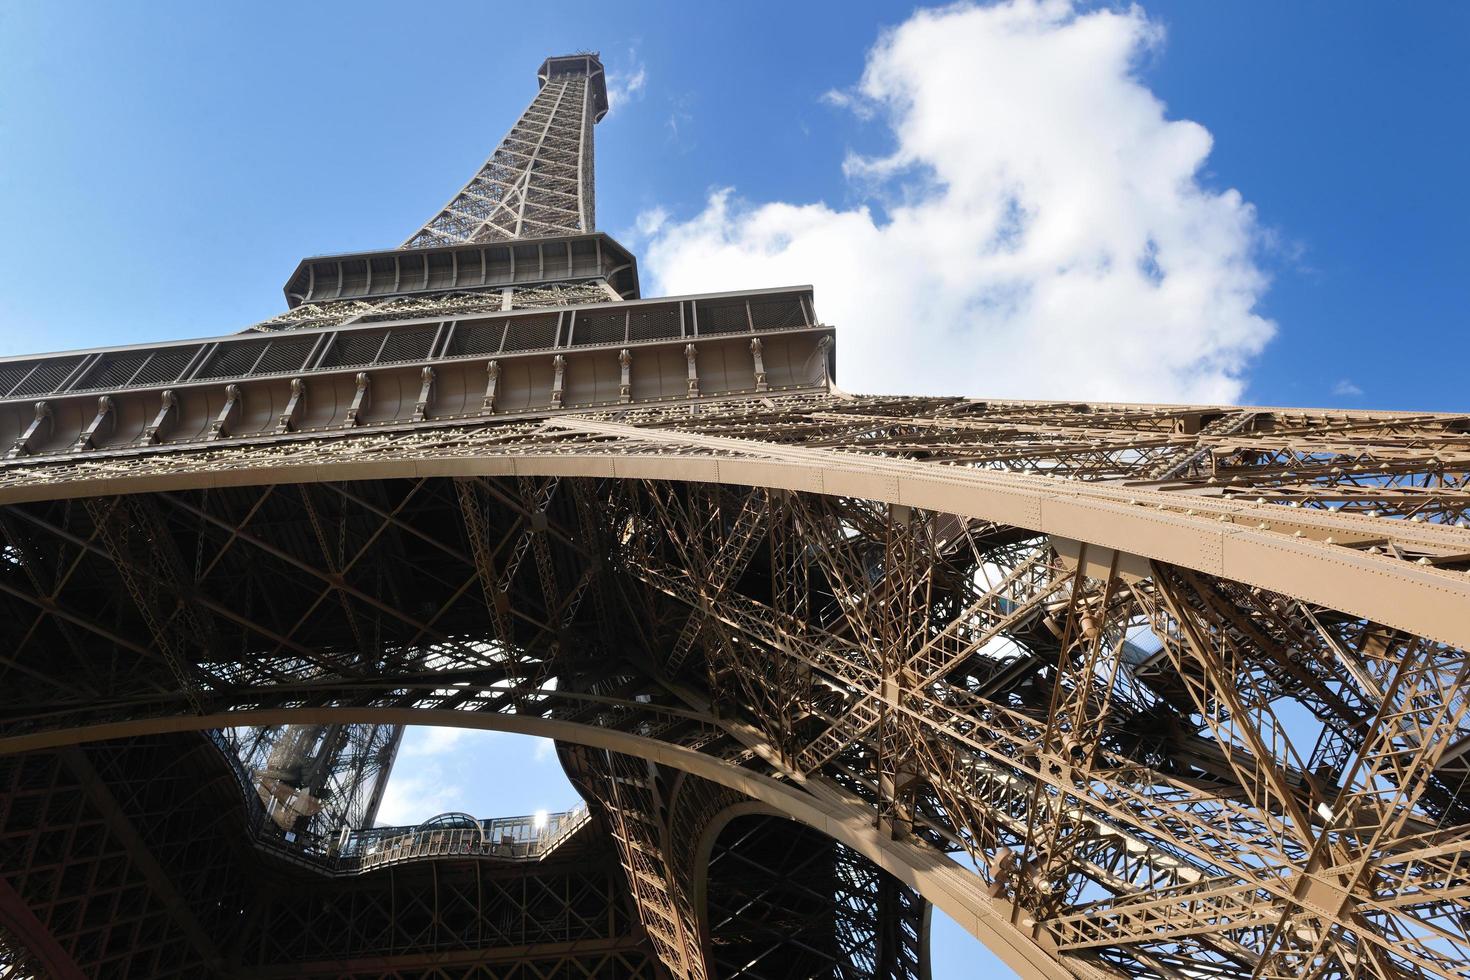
<point>539,180</point>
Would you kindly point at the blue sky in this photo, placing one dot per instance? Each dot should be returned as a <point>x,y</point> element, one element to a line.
<point>1253,201</point>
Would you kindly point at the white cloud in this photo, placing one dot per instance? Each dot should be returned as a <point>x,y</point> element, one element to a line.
<point>651,222</point>
<point>1346,388</point>
<point>486,773</point>
<point>851,101</point>
<point>411,797</point>
<point>1039,229</point>
<point>422,741</point>
<point>627,85</point>
<point>678,119</point>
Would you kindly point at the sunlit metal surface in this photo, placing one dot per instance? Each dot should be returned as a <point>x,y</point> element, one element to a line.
<point>1185,689</point>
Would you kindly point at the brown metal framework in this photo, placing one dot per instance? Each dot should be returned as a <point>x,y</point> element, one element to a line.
<point>133,858</point>
<point>1183,688</point>
<point>539,181</point>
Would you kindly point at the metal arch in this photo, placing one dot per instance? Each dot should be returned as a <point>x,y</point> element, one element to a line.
<point>958,894</point>
<point>909,621</point>
<point>269,915</point>
<point>1286,551</point>
<point>27,947</point>
<point>730,617</point>
<point>706,844</point>
<point>700,459</point>
<point>791,899</point>
<point>729,614</point>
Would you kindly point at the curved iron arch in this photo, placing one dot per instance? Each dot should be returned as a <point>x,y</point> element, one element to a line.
<point>1369,584</point>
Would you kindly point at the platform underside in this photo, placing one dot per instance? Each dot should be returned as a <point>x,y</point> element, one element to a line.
<point>1118,658</point>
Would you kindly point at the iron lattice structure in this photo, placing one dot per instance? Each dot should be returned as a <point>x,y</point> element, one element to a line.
<point>539,181</point>
<point>1182,688</point>
<point>319,779</point>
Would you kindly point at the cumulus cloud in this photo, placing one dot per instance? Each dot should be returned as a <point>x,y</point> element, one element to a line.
<point>1346,388</point>
<point>651,222</point>
<point>1040,227</point>
<point>424,741</point>
<point>626,85</point>
<point>411,797</point>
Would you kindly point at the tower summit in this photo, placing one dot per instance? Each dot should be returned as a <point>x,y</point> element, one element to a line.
<point>539,181</point>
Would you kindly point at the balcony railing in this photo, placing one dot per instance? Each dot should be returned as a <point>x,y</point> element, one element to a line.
<point>519,838</point>
<point>522,838</point>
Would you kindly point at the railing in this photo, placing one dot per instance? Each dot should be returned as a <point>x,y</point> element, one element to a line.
<point>522,838</point>
<point>425,339</point>
<point>503,837</point>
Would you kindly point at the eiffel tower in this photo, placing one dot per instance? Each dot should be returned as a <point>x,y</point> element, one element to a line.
<point>1122,689</point>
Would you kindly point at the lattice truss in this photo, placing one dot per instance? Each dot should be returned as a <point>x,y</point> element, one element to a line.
<point>539,180</point>
<point>130,859</point>
<point>316,778</point>
<point>769,882</point>
<point>726,888</point>
<point>339,313</point>
<point>1185,687</point>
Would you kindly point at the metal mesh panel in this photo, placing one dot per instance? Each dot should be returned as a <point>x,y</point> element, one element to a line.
<point>12,374</point>
<point>167,365</point>
<point>353,350</point>
<point>410,344</point>
<point>113,371</point>
<point>776,314</point>
<point>285,355</point>
<point>232,360</point>
<point>476,338</point>
<point>721,318</point>
<point>412,268</point>
<point>531,333</point>
<point>48,376</point>
<point>599,328</point>
<point>659,324</point>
